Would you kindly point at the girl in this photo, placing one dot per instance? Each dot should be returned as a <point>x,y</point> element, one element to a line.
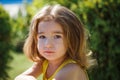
<point>57,45</point>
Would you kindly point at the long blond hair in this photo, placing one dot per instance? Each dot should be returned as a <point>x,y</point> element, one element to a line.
<point>74,32</point>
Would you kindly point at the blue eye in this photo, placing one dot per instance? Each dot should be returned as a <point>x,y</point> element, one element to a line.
<point>42,37</point>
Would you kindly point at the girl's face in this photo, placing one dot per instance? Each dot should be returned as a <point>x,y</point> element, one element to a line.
<point>51,41</point>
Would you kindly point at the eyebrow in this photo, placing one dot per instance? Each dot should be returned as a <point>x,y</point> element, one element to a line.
<point>58,32</point>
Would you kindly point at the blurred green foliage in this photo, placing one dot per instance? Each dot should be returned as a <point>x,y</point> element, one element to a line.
<point>5,43</point>
<point>102,21</point>
<point>19,31</point>
<point>100,17</point>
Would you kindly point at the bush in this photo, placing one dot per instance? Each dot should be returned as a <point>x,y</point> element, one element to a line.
<point>19,32</point>
<point>5,43</point>
<point>101,17</point>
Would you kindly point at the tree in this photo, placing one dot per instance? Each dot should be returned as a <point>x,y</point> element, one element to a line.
<point>103,23</point>
<point>102,19</point>
<point>5,43</point>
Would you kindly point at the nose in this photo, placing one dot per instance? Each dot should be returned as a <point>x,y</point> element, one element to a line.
<point>49,43</point>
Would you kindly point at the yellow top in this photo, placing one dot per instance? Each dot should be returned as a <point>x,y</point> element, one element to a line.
<point>45,65</point>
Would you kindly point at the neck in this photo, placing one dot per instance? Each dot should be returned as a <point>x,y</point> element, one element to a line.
<point>55,63</point>
<point>52,66</point>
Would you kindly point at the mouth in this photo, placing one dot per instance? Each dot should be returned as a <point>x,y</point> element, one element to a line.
<point>49,52</point>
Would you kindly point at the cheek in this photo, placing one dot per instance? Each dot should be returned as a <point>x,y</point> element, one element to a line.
<point>60,45</point>
<point>40,45</point>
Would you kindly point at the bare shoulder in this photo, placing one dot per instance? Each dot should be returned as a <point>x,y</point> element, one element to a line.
<point>71,72</point>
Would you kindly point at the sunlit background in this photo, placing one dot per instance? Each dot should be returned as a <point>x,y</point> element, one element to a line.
<point>100,17</point>
<point>13,6</point>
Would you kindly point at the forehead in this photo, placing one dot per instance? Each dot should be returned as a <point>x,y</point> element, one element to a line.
<point>48,26</point>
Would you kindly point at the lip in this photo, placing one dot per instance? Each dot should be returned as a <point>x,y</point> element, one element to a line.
<point>49,52</point>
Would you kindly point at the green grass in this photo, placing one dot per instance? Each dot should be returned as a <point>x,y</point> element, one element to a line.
<point>19,64</point>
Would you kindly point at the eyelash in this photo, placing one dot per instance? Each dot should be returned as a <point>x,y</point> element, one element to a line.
<point>55,37</point>
<point>42,37</point>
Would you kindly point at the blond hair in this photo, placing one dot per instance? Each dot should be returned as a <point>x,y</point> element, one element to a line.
<point>74,32</point>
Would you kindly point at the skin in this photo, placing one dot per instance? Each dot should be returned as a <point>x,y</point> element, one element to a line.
<point>71,72</point>
<point>50,41</point>
<point>51,46</point>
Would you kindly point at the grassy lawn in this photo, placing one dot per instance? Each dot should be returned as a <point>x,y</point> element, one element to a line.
<point>19,64</point>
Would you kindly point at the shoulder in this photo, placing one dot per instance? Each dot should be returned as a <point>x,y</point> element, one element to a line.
<point>71,71</point>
